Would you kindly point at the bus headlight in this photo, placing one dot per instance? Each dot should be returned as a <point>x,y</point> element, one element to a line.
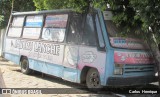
<point>118,69</point>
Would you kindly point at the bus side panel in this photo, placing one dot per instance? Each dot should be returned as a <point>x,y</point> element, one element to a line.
<point>89,56</point>
<point>54,69</point>
<point>44,56</point>
<point>47,68</point>
<point>70,71</point>
<point>12,50</point>
<point>12,57</point>
<point>70,74</point>
<point>50,52</point>
<point>42,51</point>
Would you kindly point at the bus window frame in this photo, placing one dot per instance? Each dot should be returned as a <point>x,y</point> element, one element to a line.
<point>66,28</point>
<point>83,27</point>
<point>93,14</point>
<point>11,26</point>
<point>101,32</point>
<point>41,27</point>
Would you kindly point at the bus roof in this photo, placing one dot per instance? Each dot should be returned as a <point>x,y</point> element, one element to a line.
<point>43,12</point>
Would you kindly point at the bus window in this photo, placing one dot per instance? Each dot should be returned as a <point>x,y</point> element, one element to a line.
<point>18,21</point>
<point>89,37</point>
<point>55,27</point>
<point>33,26</point>
<point>16,27</point>
<point>34,21</point>
<point>75,29</point>
<point>56,21</point>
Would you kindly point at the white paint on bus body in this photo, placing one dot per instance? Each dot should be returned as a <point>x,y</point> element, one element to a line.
<point>43,51</point>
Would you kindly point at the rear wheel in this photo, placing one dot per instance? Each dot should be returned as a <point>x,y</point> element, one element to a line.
<point>93,80</point>
<point>25,66</point>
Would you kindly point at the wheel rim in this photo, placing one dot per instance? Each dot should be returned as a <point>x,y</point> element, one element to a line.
<point>94,80</point>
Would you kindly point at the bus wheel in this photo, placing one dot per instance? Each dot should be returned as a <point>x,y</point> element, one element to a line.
<point>93,80</point>
<point>25,66</point>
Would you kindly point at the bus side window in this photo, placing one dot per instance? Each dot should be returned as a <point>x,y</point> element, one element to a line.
<point>33,26</point>
<point>89,37</point>
<point>99,33</point>
<point>16,25</point>
<point>55,27</point>
<point>75,29</point>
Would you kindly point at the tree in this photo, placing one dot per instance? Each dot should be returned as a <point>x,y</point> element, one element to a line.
<point>78,5</point>
<point>148,12</point>
<point>19,5</point>
<point>1,19</point>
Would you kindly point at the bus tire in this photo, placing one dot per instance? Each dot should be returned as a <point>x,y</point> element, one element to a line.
<point>25,66</point>
<point>93,80</point>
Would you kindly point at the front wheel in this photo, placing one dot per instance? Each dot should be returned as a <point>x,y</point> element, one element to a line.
<point>93,80</point>
<point>25,66</point>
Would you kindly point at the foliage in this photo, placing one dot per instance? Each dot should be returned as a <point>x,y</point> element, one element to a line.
<point>78,5</point>
<point>5,7</point>
<point>39,4</point>
<point>19,5</point>
<point>1,19</point>
<point>148,11</point>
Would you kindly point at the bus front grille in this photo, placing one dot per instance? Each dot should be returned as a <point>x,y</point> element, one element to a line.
<point>128,68</point>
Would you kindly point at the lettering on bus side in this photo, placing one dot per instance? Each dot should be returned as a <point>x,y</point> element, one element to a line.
<point>21,44</point>
<point>47,48</point>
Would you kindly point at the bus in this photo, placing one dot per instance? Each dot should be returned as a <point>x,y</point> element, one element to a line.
<point>78,47</point>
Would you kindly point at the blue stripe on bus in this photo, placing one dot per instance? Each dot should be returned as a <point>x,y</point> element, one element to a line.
<point>69,74</point>
<point>12,57</point>
<point>33,24</point>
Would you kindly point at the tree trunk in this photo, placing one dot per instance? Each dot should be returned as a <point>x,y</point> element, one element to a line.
<point>155,48</point>
<point>2,34</point>
<point>156,55</point>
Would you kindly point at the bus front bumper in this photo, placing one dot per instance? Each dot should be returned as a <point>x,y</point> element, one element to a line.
<point>130,81</point>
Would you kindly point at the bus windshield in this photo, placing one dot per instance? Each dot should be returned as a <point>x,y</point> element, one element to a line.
<point>117,39</point>
<point>112,29</point>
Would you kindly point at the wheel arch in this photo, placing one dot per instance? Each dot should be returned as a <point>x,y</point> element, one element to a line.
<point>84,72</point>
<point>21,57</point>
